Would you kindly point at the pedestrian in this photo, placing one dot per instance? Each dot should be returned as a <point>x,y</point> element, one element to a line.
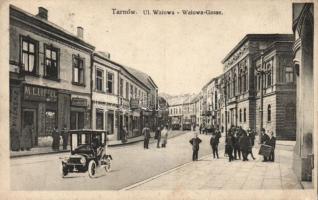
<point>64,134</point>
<point>124,134</point>
<point>265,140</point>
<point>251,136</point>
<point>14,138</point>
<point>236,143</point>
<point>200,128</point>
<point>229,146</point>
<point>164,137</point>
<point>158,136</point>
<point>146,133</point>
<point>26,137</point>
<point>272,143</point>
<point>195,142</point>
<point>214,142</point>
<point>56,139</point>
<point>244,145</point>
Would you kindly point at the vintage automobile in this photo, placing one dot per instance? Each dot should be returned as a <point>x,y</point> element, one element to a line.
<point>88,152</point>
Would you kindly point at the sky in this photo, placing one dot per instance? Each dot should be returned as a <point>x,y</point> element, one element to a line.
<point>181,52</point>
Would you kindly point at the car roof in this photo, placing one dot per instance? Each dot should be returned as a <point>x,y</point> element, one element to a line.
<point>93,131</point>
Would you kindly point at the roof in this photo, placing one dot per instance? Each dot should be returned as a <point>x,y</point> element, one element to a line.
<point>143,77</point>
<point>39,22</point>
<point>259,37</point>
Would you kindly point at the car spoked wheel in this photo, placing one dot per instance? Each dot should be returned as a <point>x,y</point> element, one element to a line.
<point>91,169</point>
<point>108,165</point>
<point>64,171</point>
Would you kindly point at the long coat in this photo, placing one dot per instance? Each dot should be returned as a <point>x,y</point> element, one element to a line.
<point>245,143</point>
<point>272,142</point>
<point>146,133</point>
<point>164,136</point>
<point>26,137</point>
<point>195,143</point>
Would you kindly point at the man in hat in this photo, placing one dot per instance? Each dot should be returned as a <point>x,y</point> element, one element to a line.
<point>195,142</point>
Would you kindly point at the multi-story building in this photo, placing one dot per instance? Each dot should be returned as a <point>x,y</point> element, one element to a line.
<point>303,27</point>
<point>256,59</point>
<point>105,92</point>
<point>49,76</point>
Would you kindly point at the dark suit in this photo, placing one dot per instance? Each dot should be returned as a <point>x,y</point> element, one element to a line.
<point>214,142</point>
<point>272,143</point>
<point>195,147</point>
<point>229,147</point>
<point>265,140</point>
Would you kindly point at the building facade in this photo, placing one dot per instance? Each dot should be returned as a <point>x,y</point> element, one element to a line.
<point>49,76</point>
<point>303,27</point>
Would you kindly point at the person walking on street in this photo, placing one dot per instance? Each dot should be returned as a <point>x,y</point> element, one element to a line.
<point>158,136</point>
<point>214,142</point>
<point>272,143</point>
<point>244,145</point>
<point>251,136</point>
<point>124,134</point>
<point>200,128</point>
<point>265,140</point>
<point>146,133</point>
<point>26,138</point>
<point>195,142</point>
<point>229,146</point>
<point>164,137</point>
<point>64,134</point>
<point>56,139</point>
<point>236,143</point>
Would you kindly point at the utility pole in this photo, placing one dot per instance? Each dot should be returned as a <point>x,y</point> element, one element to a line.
<point>225,106</point>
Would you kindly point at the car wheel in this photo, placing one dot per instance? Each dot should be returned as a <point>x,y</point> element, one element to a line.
<point>64,171</point>
<point>91,168</point>
<point>108,165</point>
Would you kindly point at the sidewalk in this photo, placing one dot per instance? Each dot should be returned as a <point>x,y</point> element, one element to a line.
<point>48,150</point>
<point>220,174</point>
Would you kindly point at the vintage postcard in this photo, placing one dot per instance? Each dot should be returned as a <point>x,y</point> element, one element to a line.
<point>159,99</point>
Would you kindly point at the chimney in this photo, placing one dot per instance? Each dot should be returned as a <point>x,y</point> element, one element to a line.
<point>80,32</point>
<point>43,13</point>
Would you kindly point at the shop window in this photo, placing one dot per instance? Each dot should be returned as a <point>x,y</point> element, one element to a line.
<point>99,79</point>
<point>50,122</point>
<point>29,56</point>
<point>289,73</point>
<point>51,60</point>
<point>99,119</point>
<point>244,115</point>
<point>77,120</point>
<point>269,113</point>
<point>78,70</point>
<point>110,84</point>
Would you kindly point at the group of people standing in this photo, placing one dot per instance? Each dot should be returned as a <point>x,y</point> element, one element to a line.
<point>161,135</point>
<point>56,135</point>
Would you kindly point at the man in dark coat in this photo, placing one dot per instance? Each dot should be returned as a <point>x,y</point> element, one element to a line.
<point>56,139</point>
<point>236,144</point>
<point>214,142</point>
<point>272,143</point>
<point>146,133</point>
<point>64,134</point>
<point>265,140</point>
<point>229,146</point>
<point>251,135</point>
<point>195,142</point>
<point>244,145</point>
<point>158,136</point>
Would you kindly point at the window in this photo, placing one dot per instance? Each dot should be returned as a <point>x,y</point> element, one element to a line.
<point>269,75</point>
<point>110,85</point>
<point>51,62</point>
<point>135,92</point>
<point>50,121</point>
<point>244,114</point>
<point>78,70</point>
<point>110,122</point>
<point>289,74</point>
<point>139,94</point>
<point>131,91</point>
<point>127,90</point>
<point>99,119</point>
<point>269,113</point>
<point>121,87</point>
<point>29,56</point>
<point>240,115</point>
<point>99,80</point>
<point>77,120</point>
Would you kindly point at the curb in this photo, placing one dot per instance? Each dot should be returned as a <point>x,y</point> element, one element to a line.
<point>113,145</point>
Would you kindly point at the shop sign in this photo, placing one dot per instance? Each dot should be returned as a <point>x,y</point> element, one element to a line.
<point>134,103</point>
<point>79,102</point>
<point>35,93</point>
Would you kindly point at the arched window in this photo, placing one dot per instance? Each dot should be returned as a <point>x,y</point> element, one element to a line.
<point>240,115</point>
<point>244,114</point>
<point>269,74</point>
<point>269,113</point>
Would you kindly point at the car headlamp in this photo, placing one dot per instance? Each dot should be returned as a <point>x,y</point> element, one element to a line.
<point>83,160</point>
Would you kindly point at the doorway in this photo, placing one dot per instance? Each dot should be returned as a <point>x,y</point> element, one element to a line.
<point>29,118</point>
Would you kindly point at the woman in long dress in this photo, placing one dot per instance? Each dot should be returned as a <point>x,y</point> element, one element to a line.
<point>164,137</point>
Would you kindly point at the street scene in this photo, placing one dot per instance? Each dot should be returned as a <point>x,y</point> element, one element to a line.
<point>86,115</point>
